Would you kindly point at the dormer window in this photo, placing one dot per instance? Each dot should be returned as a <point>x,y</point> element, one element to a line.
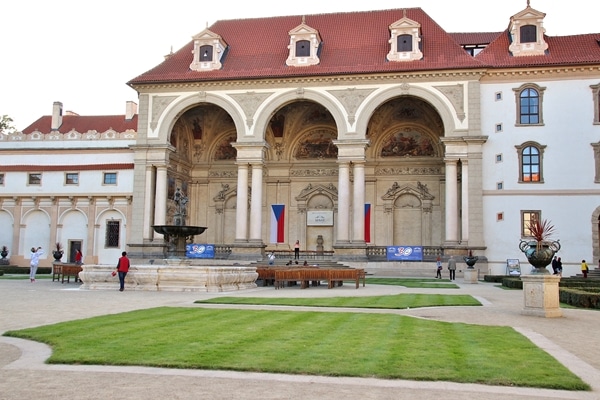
<point>304,47</point>
<point>527,33</point>
<point>209,50</point>
<point>405,39</point>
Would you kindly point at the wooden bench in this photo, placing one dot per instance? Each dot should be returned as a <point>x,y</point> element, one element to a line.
<point>333,276</point>
<point>70,270</point>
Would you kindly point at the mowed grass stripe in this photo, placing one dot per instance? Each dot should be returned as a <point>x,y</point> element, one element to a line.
<point>333,344</point>
<point>398,301</point>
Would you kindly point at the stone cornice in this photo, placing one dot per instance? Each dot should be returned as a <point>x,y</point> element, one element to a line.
<point>312,81</point>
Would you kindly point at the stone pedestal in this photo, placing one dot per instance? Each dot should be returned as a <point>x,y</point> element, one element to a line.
<point>540,294</point>
<point>471,275</point>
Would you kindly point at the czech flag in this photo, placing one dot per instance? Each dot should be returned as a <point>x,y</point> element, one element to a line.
<point>277,223</point>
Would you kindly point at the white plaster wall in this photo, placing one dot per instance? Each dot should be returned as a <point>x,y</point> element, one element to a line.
<point>568,196</point>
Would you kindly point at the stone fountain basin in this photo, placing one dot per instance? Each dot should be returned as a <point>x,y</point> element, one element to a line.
<point>178,230</point>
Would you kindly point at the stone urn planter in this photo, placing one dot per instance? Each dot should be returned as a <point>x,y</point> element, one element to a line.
<point>540,288</point>
<point>470,260</point>
<point>57,253</point>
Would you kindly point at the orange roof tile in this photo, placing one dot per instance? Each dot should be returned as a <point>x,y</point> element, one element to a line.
<point>353,43</point>
<point>83,124</point>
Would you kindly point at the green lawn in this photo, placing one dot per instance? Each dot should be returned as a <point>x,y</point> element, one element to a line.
<point>398,301</point>
<point>333,344</point>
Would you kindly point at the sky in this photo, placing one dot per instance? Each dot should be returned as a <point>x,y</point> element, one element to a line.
<point>84,55</point>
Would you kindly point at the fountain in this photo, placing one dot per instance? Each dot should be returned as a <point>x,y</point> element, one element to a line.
<point>178,234</point>
<point>177,272</point>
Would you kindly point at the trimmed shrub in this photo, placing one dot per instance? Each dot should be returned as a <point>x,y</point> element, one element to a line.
<point>512,283</point>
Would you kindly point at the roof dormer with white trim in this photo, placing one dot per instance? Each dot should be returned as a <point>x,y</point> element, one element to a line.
<point>304,47</point>
<point>209,49</point>
<point>405,40</point>
<point>527,33</point>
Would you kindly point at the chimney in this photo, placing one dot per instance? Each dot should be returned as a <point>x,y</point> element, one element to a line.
<point>57,113</point>
<point>130,110</point>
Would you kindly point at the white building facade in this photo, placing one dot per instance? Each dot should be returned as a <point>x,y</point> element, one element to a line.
<point>397,135</point>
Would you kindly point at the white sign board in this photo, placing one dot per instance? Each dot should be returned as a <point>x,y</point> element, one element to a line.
<point>319,218</point>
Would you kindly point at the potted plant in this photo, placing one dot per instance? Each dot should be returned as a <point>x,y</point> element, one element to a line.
<point>470,260</point>
<point>4,252</point>
<point>58,251</point>
<point>540,249</point>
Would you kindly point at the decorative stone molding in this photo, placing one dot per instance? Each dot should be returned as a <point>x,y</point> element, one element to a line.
<point>209,49</point>
<point>351,99</point>
<point>304,46</point>
<point>456,95</point>
<point>222,174</point>
<point>159,104</point>
<point>527,33</point>
<point>249,102</point>
<point>408,171</point>
<point>314,172</point>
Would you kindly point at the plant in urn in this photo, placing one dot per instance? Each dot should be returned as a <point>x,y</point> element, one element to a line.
<point>540,249</point>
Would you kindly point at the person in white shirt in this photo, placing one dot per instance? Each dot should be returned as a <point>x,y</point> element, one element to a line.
<point>35,260</point>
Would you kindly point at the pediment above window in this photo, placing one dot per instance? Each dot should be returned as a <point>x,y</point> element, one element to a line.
<point>527,33</point>
<point>304,47</point>
<point>209,50</point>
<point>405,40</point>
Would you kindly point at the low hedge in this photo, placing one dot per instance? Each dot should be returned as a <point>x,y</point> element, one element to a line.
<point>14,269</point>
<point>494,278</point>
<point>512,282</point>
<point>580,298</point>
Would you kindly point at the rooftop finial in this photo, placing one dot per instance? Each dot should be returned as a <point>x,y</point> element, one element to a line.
<point>404,12</point>
<point>528,3</point>
<point>304,19</point>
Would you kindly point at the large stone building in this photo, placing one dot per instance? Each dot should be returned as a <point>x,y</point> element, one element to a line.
<point>356,130</point>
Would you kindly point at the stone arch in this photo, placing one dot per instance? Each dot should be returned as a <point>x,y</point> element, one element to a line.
<point>378,98</point>
<point>279,101</point>
<point>177,108</point>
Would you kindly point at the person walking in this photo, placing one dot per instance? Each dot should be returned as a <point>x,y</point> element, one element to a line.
<point>438,268</point>
<point>554,265</point>
<point>78,257</point>
<point>452,268</point>
<point>297,250</point>
<point>559,267</point>
<point>584,268</point>
<point>122,268</point>
<point>35,260</point>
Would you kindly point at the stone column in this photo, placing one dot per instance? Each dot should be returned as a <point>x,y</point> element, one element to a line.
<point>358,200</point>
<point>241,211</point>
<point>149,186</point>
<point>160,209</point>
<point>465,202</point>
<point>256,203</point>
<point>343,202</point>
<point>451,202</point>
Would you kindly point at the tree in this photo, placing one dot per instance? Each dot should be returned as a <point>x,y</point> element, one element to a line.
<point>6,125</point>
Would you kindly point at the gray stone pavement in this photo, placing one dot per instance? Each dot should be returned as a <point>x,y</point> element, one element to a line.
<point>24,375</point>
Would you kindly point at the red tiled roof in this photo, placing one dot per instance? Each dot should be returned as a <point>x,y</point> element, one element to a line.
<point>82,124</point>
<point>474,38</point>
<point>562,50</point>
<point>353,43</point>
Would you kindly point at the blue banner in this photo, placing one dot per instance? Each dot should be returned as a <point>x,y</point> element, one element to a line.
<point>405,253</point>
<point>196,250</point>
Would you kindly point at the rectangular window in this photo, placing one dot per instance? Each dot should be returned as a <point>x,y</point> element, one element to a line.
<point>72,178</point>
<point>498,158</point>
<point>110,178</point>
<point>527,217</point>
<point>498,96</point>
<point>112,234</point>
<point>498,127</point>
<point>1,179</point>
<point>500,217</point>
<point>35,179</point>
<point>500,185</point>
